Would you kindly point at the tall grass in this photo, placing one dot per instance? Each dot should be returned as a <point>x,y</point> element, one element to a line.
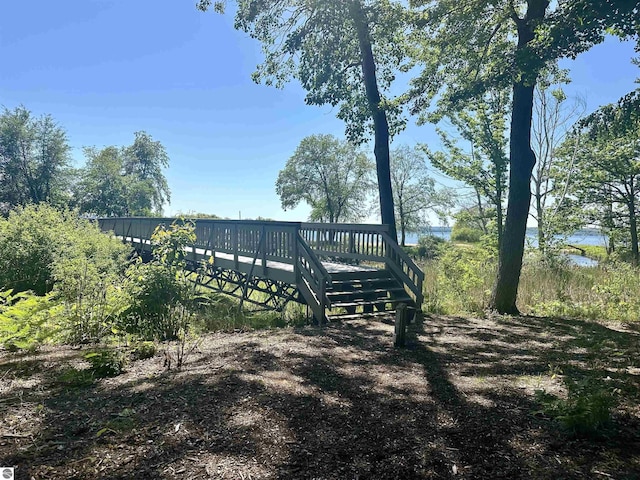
<point>460,281</point>
<point>221,313</point>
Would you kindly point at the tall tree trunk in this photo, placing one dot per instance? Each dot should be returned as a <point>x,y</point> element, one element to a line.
<point>481,213</point>
<point>608,221</point>
<point>499,212</point>
<point>542,237</point>
<point>521,160</point>
<point>633,225</point>
<point>379,116</point>
<point>403,223</point>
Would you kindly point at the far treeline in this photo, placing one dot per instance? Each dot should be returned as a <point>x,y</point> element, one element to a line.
<point>35,167</point>
<point>474,63</point>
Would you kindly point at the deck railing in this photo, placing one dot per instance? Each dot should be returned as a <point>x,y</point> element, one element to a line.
<point>243,241</point>
<point>352,241</point>
<point>298,245</point>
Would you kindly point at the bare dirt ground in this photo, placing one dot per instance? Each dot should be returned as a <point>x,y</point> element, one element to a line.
<point>331,403</point>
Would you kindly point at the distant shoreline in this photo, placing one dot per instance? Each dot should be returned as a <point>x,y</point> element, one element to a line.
<point>585,236</point>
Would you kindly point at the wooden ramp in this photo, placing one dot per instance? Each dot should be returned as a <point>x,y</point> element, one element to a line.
<point>335,269</point>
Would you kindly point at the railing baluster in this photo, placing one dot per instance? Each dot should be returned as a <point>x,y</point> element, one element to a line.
<point>235,245</point>
<point>263,235</point>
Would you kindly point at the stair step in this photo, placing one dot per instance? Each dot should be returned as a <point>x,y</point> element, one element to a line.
<point>361,303</point>
<point>374,293</point>
<point>358,316</point>
<point>369,282</point>
<point>360,275</point>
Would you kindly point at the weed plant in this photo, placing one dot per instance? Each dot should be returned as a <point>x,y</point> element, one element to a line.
<point>585,412</point>
<point>106,362</point>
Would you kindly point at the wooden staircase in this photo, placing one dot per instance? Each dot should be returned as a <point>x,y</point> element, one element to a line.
<point>365,292</point>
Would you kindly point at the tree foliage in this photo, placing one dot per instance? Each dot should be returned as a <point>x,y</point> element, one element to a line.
<point>124,181</point>
<point>143,162</point>
<point>102,187</point>
<point>345,54</point>
<point>484,166</point>
<point>414,191</point>
<point>330,175</point>
<point>470,47</point>
<point>41,247</point>
<point>606,145</point>
<point>34,158</point>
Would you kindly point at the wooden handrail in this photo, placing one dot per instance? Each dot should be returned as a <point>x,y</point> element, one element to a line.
<point>345,240</point>
<point>370,227</point>
<point>309,269</point>
<point>234,237</point>
<point>405,268</point>
<point>359,242</point>
<point>313,257</point>
<point>300,245</point>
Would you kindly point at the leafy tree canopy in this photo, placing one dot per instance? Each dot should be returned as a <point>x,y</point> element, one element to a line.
<point>124,181</point>
<point>34,159</point>
<point>330,175</point>
<point>415,194</point>
<point>606,148</point>
<point>316,43</point>
<point>470,46</point>
<point>144,161</point>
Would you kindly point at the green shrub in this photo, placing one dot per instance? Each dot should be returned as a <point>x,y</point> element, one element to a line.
<point>46,250</point>
<point>161,299</point>
<point>143,350</point>
<point>466,234</point>
<point>429,246</point>
<point>106,363</point>
<point>27,320</point>
<point>585,412</point>
<point>155,291</point>
<point>465,275</point>
<point>30,239</point>
<point>37,242</point>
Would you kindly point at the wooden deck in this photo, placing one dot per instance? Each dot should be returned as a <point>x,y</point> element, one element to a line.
<point>308,262</point>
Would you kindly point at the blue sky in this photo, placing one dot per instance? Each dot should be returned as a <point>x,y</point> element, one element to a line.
<point>107,68</point>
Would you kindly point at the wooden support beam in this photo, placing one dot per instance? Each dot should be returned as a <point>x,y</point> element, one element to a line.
<point>400,332</point>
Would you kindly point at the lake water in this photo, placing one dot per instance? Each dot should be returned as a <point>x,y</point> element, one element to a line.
<point>581,237</point>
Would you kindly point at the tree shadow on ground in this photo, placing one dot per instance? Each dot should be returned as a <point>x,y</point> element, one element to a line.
<point>339,402</point>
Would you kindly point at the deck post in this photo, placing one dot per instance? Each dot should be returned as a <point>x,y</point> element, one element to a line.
<point>400,331</point>
<point>321,294</point>
<point>126,235</point>
<point>209,247</point>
